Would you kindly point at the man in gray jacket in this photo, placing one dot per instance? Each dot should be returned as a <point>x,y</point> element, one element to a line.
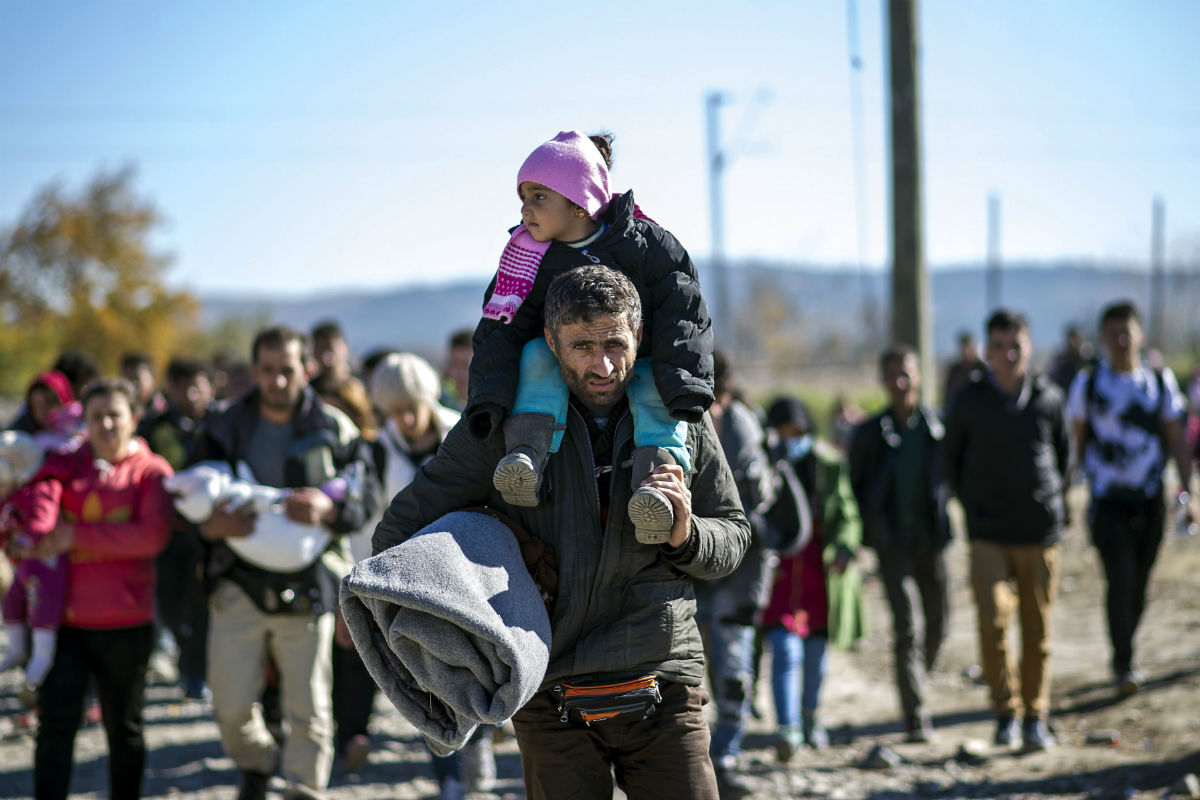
<point>731,607</point>
<point>623,687</point>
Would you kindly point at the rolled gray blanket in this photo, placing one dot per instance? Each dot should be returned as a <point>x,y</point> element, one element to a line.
<point>451,626</point>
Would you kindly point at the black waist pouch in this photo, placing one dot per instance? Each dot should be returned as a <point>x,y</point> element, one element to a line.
<point>594,703</point>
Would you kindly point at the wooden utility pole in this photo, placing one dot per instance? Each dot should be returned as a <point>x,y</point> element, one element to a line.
<point>992,299</point>
<point>910,281</point>
<point>1158,278</point>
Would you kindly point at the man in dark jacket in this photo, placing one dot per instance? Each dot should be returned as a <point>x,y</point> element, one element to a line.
<point>897,481</point>
<point>625,611</point>
<point>730,608</point>
<point>289,438</point>
<point>1007,457</point>
<point>182,603</point>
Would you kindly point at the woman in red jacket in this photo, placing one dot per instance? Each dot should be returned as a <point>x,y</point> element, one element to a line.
<point>114,518</point>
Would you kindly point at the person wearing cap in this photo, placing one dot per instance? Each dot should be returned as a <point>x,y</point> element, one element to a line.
<point>569,218</point>
<point>623,628</point>
<point>289,438</point>
<point>896,476</point>
<point>816,598</point>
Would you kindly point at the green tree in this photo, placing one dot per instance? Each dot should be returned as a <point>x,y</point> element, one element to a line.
<point>79,271</point>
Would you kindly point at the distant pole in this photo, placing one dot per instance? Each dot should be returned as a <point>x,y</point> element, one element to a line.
<point>723,314</point>
<point>993,253</point>
<point>1158,294</point>
<point>869,313</point>
<point>910,281</point>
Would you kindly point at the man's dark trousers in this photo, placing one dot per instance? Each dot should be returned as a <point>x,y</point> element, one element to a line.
<point>1127,536</point>
<point>663,756</point>
<point>915,576</point>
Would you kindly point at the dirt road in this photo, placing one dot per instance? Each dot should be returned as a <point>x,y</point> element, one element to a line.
<point>1156,733</point>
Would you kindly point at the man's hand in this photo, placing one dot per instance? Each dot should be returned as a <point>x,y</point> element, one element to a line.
<point>668,479</point>
<point>309,506</point>
<point>227,523</point>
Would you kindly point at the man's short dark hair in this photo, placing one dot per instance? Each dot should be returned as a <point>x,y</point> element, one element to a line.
<point>965,336</point>
<point>136,361</point>
<point>462,338</point>
<point>327,329</point>
<point>79,367</point>
<point>588,292</point>
<point>1006,319</point>
<point>278,337</point>
<point>894,353</point>
<point>109,387</point>
<point>186,369</point>
<point>1121,311</point>
<point>374,358</point>
<point>722,372</point>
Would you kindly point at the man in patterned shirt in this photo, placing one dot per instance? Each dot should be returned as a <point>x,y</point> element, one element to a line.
<point>1127,418</point>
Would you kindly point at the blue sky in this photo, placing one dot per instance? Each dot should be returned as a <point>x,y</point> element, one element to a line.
<point>302,146</point>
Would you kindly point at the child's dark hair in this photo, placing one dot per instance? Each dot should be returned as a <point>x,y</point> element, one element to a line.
<point>603,142</point>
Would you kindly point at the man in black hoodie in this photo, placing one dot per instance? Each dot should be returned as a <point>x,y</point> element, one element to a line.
<point>1006,455</point>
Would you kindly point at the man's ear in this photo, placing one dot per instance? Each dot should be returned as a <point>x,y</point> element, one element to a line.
<point>638,338</point>
<point>550,340</point>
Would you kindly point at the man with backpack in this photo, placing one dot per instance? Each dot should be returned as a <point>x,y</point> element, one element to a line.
<point>896,477</point>
<point>1127,419</point>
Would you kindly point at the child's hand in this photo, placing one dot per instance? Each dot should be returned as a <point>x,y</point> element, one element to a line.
<point>59,540</point>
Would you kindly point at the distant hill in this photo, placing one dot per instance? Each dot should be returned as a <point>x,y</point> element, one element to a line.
<point>824,303</point>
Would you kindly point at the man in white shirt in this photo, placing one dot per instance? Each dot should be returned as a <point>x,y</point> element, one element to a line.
<point>1127,419</point>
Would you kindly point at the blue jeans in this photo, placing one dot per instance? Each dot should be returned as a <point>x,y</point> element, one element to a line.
<point>541,391</point>
<point>797,669</point>
<point>730,654</point>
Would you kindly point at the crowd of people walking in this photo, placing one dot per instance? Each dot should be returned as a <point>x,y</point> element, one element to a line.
<point>695,530</point>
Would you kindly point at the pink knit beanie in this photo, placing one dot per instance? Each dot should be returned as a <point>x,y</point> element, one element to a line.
<point>572,166</point>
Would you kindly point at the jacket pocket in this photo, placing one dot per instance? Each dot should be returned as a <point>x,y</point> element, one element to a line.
<point>654,623</point>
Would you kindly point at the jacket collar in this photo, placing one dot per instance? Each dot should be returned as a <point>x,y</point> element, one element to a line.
<point>889,425</point>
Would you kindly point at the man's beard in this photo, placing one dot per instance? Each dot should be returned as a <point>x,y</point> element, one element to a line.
<point>287,403</point>
<point>577,384</point>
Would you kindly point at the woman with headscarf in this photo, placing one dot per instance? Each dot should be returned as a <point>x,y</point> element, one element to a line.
<point>815,600</point>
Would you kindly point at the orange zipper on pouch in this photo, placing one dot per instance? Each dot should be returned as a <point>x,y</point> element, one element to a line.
<point>574,690</point>
<point>605,701</point>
